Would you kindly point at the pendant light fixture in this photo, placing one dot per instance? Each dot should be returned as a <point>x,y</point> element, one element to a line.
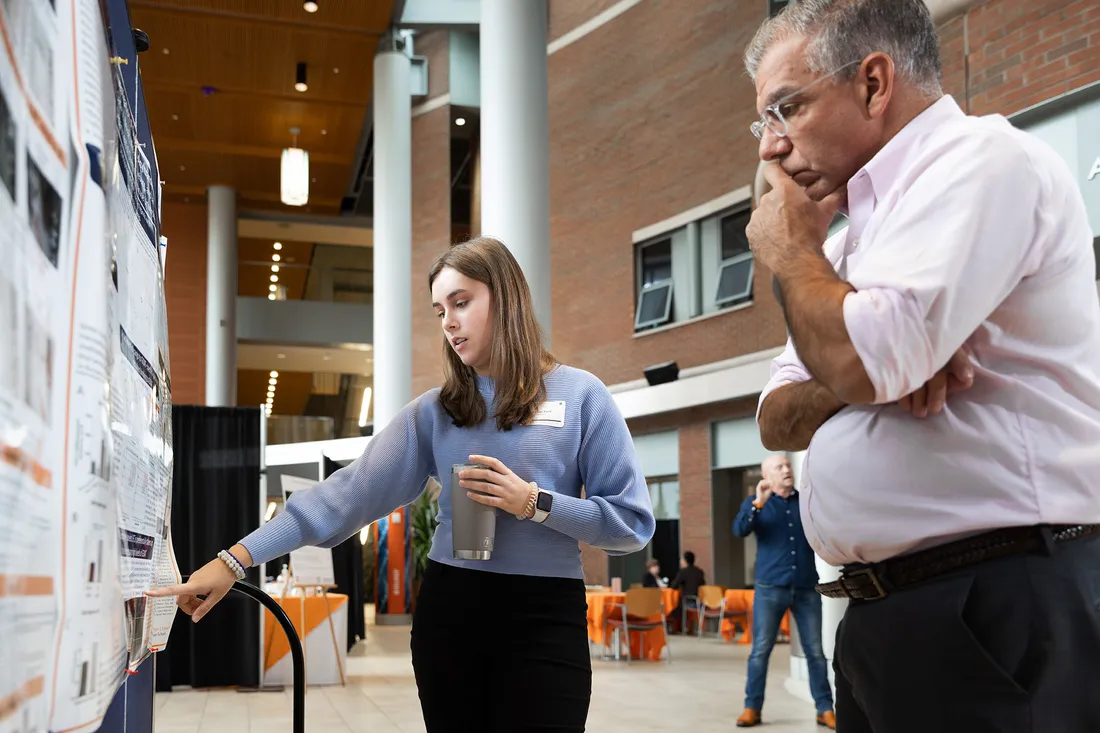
<point>294,189</point>
<point>300,77</point>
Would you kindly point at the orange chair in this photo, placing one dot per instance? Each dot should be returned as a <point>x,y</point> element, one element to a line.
<point>712,598</point>
<point>639,613</point>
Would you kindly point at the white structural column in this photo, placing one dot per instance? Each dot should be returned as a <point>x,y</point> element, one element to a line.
<point>392,233</point>
<point>515,139</point>
<point>221,296</point>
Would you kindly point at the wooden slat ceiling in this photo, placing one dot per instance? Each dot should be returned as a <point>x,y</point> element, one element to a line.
<point>219,84</point>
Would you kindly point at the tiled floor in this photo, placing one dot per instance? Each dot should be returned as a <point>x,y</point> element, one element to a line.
<point>700,691</point>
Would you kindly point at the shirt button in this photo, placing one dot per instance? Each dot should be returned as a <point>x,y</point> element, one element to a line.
<point>792,552</point>
<point>788,511</point>
<point>792,539</point>
<point>789,524</point>
<point>794,567</point>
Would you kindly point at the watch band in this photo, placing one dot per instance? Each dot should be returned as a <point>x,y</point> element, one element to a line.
<point>540,515</point>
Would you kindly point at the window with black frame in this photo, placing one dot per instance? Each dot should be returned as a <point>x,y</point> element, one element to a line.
<point>654,302</point>
<point>735,270</point>
<point>774,6</point>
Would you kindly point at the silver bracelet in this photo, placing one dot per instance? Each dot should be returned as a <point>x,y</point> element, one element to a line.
<point>227,557</point>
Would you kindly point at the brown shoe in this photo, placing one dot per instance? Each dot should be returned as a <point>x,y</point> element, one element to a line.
<point>749,718</point>
<point>827,719</point>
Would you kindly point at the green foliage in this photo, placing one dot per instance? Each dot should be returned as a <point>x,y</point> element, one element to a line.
<point>422,514</point>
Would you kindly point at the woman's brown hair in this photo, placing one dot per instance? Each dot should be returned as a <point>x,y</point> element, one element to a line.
<point>518,360</point>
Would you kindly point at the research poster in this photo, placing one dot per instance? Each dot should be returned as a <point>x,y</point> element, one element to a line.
<point>85,393</point>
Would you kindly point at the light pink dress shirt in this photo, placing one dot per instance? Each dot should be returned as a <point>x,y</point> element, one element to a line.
<point>961,230</point>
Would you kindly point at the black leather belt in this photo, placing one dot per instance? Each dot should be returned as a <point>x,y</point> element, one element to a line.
<point>878,580</point>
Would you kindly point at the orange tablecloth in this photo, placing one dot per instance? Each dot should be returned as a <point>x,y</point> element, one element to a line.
<point>739,600</point>
<point>313,612</point>
<point>600,603</point>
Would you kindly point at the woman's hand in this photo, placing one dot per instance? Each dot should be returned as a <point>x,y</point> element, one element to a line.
<point>505,489</point>
<point>202,591</point>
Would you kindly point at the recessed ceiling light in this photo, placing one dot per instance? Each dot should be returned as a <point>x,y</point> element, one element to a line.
<point>300,78</point>
<point>275,258</point>
<point>324,132</point>
<point>273,373</point>
<point>271,296</point>
<point>164,51</point>
<point>273,288</point>
<point>274,278</point>
<point>335,70</point>
<point>274,268</point>
<point>175,117</point>
<point>278,245</point>
<point>280,356</point>
<point>310,6</point>
<point>183,167</point>
<point>313,180</point>
<point>460,121</point>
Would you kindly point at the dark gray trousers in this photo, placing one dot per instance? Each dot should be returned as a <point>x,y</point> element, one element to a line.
<point>1006,646</point>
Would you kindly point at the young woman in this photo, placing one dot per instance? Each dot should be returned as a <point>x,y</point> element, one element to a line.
<point>499,644</point>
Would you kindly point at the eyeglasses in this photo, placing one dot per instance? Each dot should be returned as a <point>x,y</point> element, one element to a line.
<point>773,118</point>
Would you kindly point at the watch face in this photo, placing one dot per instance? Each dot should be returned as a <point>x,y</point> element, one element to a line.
<point>544,501</point>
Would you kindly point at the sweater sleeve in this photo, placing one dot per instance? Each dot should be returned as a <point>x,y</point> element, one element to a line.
<point>390,473</point>
<point>616,514</point>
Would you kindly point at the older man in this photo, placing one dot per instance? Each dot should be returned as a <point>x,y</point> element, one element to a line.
<point>785,578</point>
<point>967,526</point>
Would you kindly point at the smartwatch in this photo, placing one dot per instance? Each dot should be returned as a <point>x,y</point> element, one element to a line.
<point>542,506</point>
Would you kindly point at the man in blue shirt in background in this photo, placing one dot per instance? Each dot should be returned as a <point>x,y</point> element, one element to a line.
<point>785,579</point>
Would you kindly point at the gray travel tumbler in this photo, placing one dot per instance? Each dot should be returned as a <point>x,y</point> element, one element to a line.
<point>473,525</point>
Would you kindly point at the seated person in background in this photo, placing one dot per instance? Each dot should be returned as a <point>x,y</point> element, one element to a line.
<point>688,580</point>
<point>652,578</point>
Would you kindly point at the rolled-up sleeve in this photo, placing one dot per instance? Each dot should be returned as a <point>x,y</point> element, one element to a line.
<point>947,255</point>
<point>786,368</point>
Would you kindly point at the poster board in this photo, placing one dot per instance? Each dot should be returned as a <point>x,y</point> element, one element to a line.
<point>309,566</point>
<point>85,394</point>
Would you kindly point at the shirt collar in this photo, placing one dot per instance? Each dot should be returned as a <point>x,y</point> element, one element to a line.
<point>888,163</point>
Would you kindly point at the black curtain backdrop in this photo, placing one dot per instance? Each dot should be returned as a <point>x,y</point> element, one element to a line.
<point>347,566</point>
<point>215,502</point>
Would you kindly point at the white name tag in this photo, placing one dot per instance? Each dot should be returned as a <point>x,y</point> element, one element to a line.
<point>551,414</point>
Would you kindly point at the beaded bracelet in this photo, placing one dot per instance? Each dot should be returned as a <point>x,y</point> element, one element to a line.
<point>529,507</point>
<point>233,563</point>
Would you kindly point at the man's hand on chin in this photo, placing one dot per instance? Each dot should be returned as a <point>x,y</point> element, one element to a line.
<point>788,222</point>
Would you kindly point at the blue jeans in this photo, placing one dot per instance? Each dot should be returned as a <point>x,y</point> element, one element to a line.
<point>769,604</point>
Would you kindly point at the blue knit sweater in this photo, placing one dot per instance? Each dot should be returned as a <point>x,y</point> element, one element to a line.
<point>593,449</point>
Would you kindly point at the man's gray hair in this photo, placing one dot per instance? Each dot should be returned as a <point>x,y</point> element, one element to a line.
<point>843,31</point>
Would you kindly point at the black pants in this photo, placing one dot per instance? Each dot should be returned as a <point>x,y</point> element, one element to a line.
<point>1006,646</point>
<point>501,653</point>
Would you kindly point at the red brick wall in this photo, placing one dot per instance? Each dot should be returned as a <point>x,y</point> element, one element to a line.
<point>431,204</point>
<point>649,117</point>
<point>431,211</point>
<point>1021,53</point>
<point>185,293</point>
<point>565,15</point>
